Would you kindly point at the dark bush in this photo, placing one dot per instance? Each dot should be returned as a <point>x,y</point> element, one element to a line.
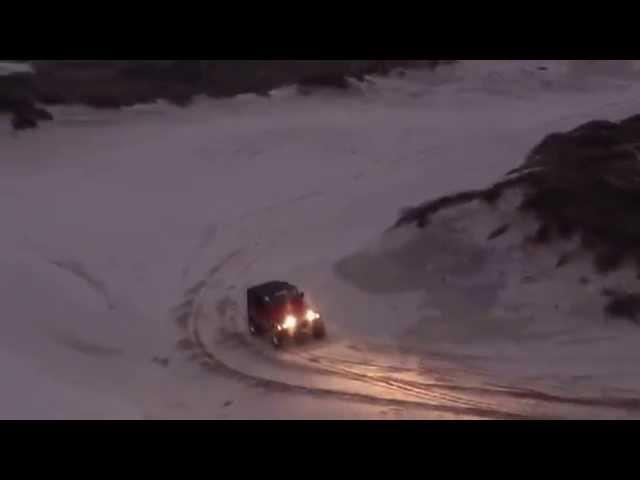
<point>565,228</point>
<point>498,231</point>
<point>491,195</point>
<point>25,115</point>
<point>608,259</point>
<point>332,81</point>
<point>103,101</point>
<point>41,113</point>
<point>178,99</point>
<point>563,260</point>
<point>542,235</point>
<point>622,304</point>
<point>23,122</point>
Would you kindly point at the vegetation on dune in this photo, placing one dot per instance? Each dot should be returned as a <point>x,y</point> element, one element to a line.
<point>623,304</point>
<point>116,84</point>
<point>584,182</point>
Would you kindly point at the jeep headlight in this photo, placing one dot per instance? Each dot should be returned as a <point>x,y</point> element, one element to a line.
<point>311,315</point>
<point>289,322</point>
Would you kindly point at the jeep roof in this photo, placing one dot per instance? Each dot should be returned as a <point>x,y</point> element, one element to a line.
<point>274,290</point>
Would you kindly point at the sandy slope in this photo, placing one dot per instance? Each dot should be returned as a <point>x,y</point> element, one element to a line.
<point>111,217</point>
